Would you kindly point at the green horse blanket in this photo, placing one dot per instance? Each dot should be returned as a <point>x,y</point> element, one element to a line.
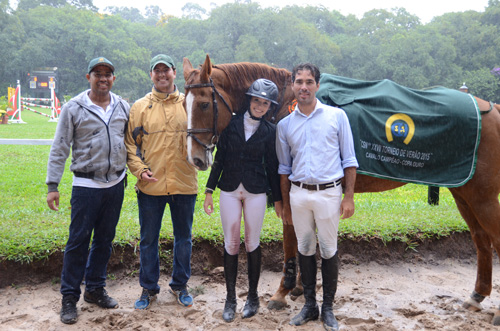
<point>425,137</point>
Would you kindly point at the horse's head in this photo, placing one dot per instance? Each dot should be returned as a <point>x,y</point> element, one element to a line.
<point>214,92</point>
<point>209,111</point>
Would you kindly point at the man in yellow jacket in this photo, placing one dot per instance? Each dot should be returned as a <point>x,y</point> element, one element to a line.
<point>156,149</point>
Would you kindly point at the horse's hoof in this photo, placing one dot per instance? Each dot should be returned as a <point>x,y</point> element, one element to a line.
<point>276,305</point>
<point>496,318</point>
<point>297,292</point>
<point>473,305</point>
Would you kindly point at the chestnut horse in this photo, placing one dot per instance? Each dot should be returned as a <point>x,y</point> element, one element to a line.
<point>213,92</point>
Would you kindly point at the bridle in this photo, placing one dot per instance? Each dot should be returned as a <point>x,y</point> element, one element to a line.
<point>215,137</point>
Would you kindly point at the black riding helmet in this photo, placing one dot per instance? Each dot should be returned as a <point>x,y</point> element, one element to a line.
<point>265,89</point>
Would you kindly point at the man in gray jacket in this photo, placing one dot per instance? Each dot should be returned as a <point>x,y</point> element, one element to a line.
<point>92,125</point>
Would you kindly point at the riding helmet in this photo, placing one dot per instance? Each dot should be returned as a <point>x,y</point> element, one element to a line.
<point>265,89</point>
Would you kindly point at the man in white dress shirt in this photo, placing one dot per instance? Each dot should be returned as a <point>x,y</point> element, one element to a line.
<point>315,150</point>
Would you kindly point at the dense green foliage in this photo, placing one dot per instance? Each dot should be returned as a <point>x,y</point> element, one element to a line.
<point>31,231</point>
<point>451,49</point>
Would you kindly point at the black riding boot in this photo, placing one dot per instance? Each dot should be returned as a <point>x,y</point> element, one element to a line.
<point>252,305</point>
<point>330,274</point>
<point>230,273</point>
<point>310,311</point>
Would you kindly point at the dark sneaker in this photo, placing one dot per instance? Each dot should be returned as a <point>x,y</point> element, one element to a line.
<point>147,297</point>
<point>68,310</point>
<point>183,297</point>
<point>100,297</point>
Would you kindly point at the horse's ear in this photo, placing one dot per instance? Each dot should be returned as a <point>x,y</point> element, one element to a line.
<point>206,70</point>
<point>187,67</point>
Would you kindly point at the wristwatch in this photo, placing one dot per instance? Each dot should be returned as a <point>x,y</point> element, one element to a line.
<point>209,190</point>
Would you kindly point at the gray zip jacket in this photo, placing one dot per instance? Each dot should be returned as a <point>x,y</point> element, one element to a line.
<point>98,149</point>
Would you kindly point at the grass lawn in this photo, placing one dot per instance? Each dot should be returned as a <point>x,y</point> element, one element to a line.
<point>31,231</point>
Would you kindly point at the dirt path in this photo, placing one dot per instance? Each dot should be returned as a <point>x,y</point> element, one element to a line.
<point>402,296</point>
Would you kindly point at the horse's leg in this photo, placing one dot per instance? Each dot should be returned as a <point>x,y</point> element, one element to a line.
<point>278,300</point>
<point>483,216</point>
<point>483,284</point>
<point>298,289</point>
<point>496,316</point>
<point>488,215</point>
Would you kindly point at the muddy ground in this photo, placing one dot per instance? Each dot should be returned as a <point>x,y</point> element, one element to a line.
<point>381,287</point>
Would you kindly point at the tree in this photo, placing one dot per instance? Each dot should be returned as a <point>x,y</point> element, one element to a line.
<point>483,84</point>
<point>80,4</point>
<point>492,13</point>
<point>11,36</point>
<point>193,11</point>
<point>224,28</point>
<point>127,13</point>
<point>453,48</point>
<point>330,23</point>
<point>476,44</point>
<point>153,15</point>
<point>249,50</point>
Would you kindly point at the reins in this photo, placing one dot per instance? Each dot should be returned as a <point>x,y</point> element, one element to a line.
<point>191,132</point>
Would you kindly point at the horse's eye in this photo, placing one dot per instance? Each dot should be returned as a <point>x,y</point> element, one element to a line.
<point>205,105</point>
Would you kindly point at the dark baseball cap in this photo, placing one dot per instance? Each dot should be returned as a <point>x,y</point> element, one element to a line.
<point>100,61</point>
<point>161,58</point>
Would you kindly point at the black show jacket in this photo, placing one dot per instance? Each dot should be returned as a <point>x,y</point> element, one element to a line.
<point>253,162</point>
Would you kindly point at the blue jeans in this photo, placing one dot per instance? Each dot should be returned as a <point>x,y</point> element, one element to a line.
<point>92,210</point>
<point>151,209</point>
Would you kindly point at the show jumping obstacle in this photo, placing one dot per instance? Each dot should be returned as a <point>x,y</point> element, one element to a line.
<point>19,103</point>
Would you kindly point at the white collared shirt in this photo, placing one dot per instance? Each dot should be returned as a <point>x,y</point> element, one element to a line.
<point>250,125</point>
<point>105,114</point>
<point>315,149</point>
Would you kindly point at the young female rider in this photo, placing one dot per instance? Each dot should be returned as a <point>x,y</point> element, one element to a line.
<point>245,166</point>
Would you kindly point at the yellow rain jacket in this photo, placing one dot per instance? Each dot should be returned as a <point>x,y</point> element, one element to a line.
<point>156,140</point>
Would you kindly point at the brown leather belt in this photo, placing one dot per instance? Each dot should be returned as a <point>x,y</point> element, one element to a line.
<point>318,187</point>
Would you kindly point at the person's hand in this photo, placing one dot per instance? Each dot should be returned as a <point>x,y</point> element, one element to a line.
<point>147,176</point>
<point>286,215</point>
<point>51,198</point>
<point>278,207</point>
<point>208,204</point>
<point>347,208</point>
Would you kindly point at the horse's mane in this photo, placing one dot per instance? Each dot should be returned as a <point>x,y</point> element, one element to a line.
<point>243,74</point>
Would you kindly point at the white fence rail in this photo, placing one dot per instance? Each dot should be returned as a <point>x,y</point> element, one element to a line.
<point>25,141</point>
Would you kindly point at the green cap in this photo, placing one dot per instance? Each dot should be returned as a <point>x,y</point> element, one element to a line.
<point>161,58</point>
<point>100,61</point>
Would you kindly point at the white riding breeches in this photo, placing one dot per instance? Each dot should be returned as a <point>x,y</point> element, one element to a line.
<point>313,210</point>
<point>254,209</point>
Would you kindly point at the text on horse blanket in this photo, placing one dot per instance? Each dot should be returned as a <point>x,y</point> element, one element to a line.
<point>425,137</point>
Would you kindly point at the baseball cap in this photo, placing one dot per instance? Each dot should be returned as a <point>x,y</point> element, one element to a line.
<point>100,61</point>
<point>161,58</point>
